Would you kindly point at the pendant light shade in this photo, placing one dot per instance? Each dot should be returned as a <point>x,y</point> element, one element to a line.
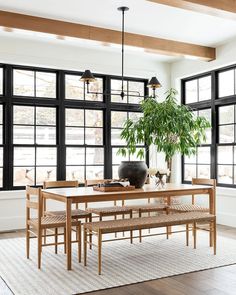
<point>88,77</point>
<point>154,83</point>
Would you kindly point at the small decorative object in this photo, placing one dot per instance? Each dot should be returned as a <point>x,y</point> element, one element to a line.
<point>114,185</point>
<point>134,171</point>
<point>159,175</point>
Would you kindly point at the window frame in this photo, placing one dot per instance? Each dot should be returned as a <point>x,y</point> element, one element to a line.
<point>214,105</point>
<point>8,99</point>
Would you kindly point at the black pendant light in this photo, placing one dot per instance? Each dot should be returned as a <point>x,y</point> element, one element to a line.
<point>88,77</point>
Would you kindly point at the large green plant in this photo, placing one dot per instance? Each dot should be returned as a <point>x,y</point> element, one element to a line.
<point>171,127</point>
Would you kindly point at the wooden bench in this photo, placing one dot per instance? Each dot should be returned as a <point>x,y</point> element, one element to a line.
<point>114,226</point>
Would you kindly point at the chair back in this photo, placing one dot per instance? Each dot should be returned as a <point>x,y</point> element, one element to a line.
<point>203,181</point>
<point>36,204</point>
<point>60,183</point>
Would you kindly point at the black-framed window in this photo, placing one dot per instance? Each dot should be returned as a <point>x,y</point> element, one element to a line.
<point>53,129</point>
<point>218,155</point>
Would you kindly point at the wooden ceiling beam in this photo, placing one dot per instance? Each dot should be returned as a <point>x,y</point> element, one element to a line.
<point>220,8</point>
<point>105,36</point>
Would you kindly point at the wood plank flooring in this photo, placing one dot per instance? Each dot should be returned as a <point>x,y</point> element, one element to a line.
<point>217,281</point>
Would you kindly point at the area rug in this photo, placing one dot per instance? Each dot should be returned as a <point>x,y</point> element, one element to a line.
<point>122,264</point>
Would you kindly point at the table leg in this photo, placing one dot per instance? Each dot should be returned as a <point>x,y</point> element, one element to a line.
<point>212,211</point>
<point>68,233</point>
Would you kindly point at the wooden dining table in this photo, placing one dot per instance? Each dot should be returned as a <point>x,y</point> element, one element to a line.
<point>82,195</point>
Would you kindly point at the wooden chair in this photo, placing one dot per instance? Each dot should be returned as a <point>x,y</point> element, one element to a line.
<point>37,226</point>
<point>107,211</point>
<point>193,207</point>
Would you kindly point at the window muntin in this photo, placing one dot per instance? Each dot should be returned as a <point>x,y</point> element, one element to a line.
<point>1,81</point>
<point>198,90</point>
<point>34,83</point>
<point>76,89</point>
<point>135,88</point>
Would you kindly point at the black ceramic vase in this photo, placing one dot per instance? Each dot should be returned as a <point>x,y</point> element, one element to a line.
<point>135,171</point>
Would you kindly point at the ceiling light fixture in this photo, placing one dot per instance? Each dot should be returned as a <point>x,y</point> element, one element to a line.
<point>88,77</point>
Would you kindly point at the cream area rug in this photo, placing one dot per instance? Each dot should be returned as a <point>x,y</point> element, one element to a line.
<point>122,263</point>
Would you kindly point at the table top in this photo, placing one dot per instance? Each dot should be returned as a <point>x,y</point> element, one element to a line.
<point>146,189</point>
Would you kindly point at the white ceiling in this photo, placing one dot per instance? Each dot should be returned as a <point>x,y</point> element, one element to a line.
<point>143,17</point>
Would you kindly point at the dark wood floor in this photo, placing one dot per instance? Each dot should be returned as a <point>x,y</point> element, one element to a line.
<point>217,281</point>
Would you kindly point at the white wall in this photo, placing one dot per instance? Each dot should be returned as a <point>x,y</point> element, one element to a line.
<point>59,55</point>
<point>225,55</point>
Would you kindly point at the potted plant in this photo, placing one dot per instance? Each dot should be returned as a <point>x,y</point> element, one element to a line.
<point>172,128</point>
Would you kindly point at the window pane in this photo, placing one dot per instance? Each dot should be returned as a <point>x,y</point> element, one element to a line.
<point>94,136</point>
<point>74,135</point>
<point>203,171</point>
<point>75,173</point>
<point>1,81</point>
<point>23,176</point>
<point>206,113</point>
<point>204,155</point>
<point>45,174</point>
<point>45,116</point>
<point>1,156</point>
<point>205,88</point>
<point>226,133</point>
<point>23,134</point>
<point>46,156</point>
<point>96,86</point>
<point>94,172</point>
<point>136,88</point>
<point>115,137</point>
<point>23,83</point>
<point>115,172</point>
<point>191,91</point>
<point>134,116</point>
<point>225,155</point>
<point>225,174</point>
<point>226,115</point>
<point>116,89</point>
<point>189,172</point>
<point>45,135</point>
<point>1,177</point>
<point>74,117</point>
<point>45,84</point>
<point>190,160</point>
<point>1,114</point>
<point>118,119</point>
<point>74,87</point>
<point>94,156</point>
<point>117,159</point>
<point>93,118</point>
<point>1,134</point>
<point>24,156</point>
<point>23,115</point>
<point>226,83</point>
<point>75,156</point>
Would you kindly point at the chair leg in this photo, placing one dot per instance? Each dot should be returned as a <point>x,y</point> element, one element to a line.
<point>64,240</point>
<point>39,248</point>
<point>187,235</point>
<point>115,217</point>
<point>123,216</point>
<point>140,231</point>
<point>131,232</point>
<point>27,242</point>
<point>99,252</point>
<point>211,238</point>
<point>194,236</point>
<point>90,234</point>
<point>85,246</point>
<point>214,236</point>
<point>56,239</point>
<point>79,242</point>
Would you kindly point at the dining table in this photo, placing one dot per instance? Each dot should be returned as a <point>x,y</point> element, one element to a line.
<point>83,195</point>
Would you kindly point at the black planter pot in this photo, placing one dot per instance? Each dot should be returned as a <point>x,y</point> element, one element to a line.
<point>135,171</point>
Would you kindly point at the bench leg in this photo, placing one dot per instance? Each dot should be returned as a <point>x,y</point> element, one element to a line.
<point>90,234</point>
<point>187,235</point>
<point>56,239</point>
<point>115,217</point>
<point>99,252</point>
<point>140,231</point>
<point>85,246</point>
<point>194,236</point>
<point>131,232</point>
<point>64,231</point>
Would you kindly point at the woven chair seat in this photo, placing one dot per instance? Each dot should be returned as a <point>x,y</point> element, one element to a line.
<point>146,207</point>
<point>114,210</point>
<point>148,222</point>
<point>187,208</point>
<point>52,222</point>
<point>76,213</point>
